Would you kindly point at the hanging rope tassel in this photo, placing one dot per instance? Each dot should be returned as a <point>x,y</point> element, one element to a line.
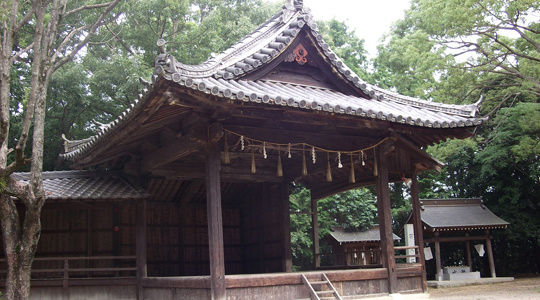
<point>304,166</point>
<point>352,178</point>
<point>253,166</point>
<point>375,171</point>
<point>328,168</point>
<point>226,159</point>
<point>279,166</point>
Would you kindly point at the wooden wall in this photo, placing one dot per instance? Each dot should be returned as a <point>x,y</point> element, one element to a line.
<point>262,229</point>
<point>177,238</point>
<point>82,230</point>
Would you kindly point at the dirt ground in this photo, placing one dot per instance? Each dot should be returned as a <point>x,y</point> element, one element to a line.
<point>521,288</point>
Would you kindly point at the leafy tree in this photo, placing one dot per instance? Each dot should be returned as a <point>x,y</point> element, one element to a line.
<point>454,52</point>
<point>105,80</point>
<point>301,237</point>
<point>347,45</point>
<point>354,210</point>
<point>38,38</point>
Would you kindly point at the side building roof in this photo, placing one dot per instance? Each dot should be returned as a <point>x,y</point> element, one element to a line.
<point>458,214</point>
<point>85,185</point>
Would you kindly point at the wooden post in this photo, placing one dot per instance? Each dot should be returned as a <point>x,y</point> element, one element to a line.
<point>490,255</point>
<point>438,256</point>
<point>215,220</point>
<point>315,231</point>
<point>385,222</point>
<point>287,257</point>
<point>418,230</point>
<point>468,253</point>
<point>140,240</point>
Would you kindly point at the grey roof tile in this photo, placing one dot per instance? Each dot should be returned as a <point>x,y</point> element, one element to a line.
<point>453,214</point>
<point>85,185</point>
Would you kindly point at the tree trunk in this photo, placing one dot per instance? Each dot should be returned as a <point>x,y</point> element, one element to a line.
<point>20,244</point>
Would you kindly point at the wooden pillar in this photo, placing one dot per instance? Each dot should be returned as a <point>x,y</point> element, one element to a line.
<point>438,276</point>
<point>468,252</point>
<point>140,241</point>
<point>385,221</point>
<point>287,250</point>
<point>315,231</point>
<point>418,229</point>
<point>490,255</point>
<point>215,221</point>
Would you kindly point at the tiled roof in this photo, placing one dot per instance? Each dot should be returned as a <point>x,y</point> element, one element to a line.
<point>85,185</point>
<point>222,76</point>
<point>459,214</point>
<point>346,236</point>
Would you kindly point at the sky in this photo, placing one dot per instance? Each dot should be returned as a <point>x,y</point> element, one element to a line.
<point>369,18</point>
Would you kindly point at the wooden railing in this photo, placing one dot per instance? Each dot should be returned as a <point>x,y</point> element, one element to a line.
<point>405,248</point>
<point>358,259</point>
<point>64,271</point>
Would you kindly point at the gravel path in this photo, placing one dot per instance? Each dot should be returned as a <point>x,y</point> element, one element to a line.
<point>521,288</point>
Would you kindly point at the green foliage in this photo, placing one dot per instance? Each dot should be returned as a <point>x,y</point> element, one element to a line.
<point>104,81</point>
<point>347,45</point>
<point>301,237</point>
<point>354,210</point>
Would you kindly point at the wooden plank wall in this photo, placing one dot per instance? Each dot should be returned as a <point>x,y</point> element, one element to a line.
<point>261,229</point>
<point>177,239</point>
<point>81,230</point>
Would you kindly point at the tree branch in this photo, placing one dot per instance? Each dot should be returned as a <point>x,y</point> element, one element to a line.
<point>87,7</point>
<point>119,40</point>
<point>99,22</point>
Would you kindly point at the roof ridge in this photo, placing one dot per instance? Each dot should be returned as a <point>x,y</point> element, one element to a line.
<point>215,77</point>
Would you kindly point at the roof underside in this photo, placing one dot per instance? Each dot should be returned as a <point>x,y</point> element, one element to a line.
<point>459,214</point>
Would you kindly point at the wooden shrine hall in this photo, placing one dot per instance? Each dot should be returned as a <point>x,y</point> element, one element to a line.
<point>458,221</point>
<point>201,166</point>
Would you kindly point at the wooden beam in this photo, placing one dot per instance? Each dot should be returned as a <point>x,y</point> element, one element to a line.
<point>229,173</point>
<point>331,141</point>
<point>416,152</point>
<point>385,221</point>
<point>417,223</point>
<point>173,151</point>
<point>457,239</point>
<point>140,240</point>
<point>215,222</point>
<point>342,184</point>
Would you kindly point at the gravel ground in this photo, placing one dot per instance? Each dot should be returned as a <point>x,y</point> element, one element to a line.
<point>521,288</point>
